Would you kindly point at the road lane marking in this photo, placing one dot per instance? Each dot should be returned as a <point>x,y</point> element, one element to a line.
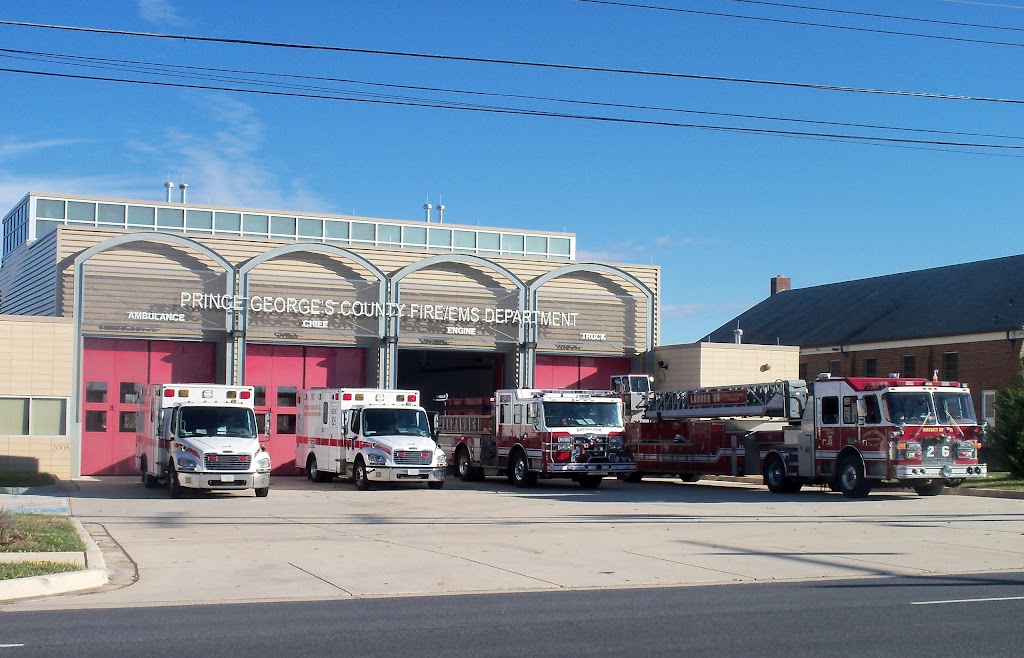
<point>1000,598</point>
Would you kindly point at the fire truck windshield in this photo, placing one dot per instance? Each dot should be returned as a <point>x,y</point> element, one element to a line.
<point>217,421</point>
<point>582,414</point>
<point>919,407</point>
<point>395,422</point>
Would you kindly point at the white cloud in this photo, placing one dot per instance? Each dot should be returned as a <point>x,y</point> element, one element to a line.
<point>11,149</point>
<point>161,12</point>
<point>227,167</point>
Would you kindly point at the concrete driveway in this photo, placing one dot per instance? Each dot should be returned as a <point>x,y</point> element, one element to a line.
<point>323,541</point>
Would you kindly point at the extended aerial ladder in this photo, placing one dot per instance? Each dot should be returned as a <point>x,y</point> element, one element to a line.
<point>784,398</point>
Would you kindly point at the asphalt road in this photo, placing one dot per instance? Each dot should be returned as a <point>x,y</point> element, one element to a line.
<point>978,615</point>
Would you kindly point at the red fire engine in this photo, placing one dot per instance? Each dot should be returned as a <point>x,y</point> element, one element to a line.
<point>850,433</point>
<point>526,434</point>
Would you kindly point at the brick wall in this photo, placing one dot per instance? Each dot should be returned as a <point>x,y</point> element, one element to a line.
<point>984,365</point>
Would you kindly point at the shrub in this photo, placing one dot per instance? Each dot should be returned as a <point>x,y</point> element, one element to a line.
<point>1009,430</point>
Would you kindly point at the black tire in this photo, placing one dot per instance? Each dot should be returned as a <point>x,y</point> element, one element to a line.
<point>439,484</point>
<point>463,466</point>
<point>850,478</point>
<point>590,481</point>
<point>314,473</point>
<point>262,492</point>
<point>775,475</point>
<point>632,478</point>
<point>359,477</point>
<point>690,477</point>
<point>173,484</point>
<point>929,489</point>
<point>148,480</point>
<point>519,471</point>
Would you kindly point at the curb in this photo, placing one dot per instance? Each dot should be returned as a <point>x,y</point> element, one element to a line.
<point>94,575</point>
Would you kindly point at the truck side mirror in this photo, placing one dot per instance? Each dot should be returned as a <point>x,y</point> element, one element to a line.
<point>435,420</point>
<point>266,425</point>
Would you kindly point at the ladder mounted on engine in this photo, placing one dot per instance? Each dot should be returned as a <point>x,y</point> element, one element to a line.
<point>784,398</point>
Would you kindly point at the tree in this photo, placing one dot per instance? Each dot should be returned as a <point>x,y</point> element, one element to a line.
<point>1009,430</point>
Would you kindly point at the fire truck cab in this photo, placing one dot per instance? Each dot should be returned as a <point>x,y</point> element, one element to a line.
<point>368,435</point>
<point>526,434</point>
<point>200,436</point>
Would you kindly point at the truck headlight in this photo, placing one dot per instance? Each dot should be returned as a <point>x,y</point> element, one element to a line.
<point>187,464</point>
<point>263,464</point>
<point>442,459</point>
<point>376,458</point>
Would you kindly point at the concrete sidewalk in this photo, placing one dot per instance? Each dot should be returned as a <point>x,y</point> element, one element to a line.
<point>323,541</point>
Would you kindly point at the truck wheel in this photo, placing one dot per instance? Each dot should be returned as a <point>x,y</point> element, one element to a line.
<point>261,492</point>
<point>359,477</point>
<point>775,474</point>
<point>439,484</point>
<point>463,468</point>
<point>590,481</point>
<point>173,485</point>
<point>850,478</point>
<point>690,477</point>
<point>520,471</point>
<point>315,474</point>
<point>148,480</point>
<point>929,489</point>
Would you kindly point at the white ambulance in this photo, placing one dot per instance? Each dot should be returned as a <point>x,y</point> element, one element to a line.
<point>368,435</point>
<point>200,436</point>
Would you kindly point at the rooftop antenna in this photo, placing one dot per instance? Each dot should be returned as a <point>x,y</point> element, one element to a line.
<point>427,207</point>
<point>184,188</point>
<point>440,210</point>
<point>170,187</point>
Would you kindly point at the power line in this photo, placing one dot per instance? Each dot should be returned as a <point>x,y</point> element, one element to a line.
<point>865,14</point>
<point>539,113</point>
<point>157,68</point>
<point>523,63</point>
<point>783,21</point>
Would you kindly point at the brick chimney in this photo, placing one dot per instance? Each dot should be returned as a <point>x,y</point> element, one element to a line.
<point>780,283</point>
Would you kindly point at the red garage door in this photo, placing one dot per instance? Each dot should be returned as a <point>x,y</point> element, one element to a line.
<point>279,372</point>
<point>112,369</point>
<point>578,372</point>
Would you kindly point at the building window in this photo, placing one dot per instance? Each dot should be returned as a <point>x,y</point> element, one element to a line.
<point>255,224</point>
<point>988,407</point>
<point>227,221</point>
<point>835,368</point>
<point>414,236</point>
<point>949,366</point>
<point>109,213</point>
<point>50,208</point>
<point>81,212</point>
<point>310,228</point>
<point>199,219</point>
<point>170,218</point>
<point>33,416</point>
<point>141,216</point>
<point>871,367</point>
<point>909,366</point>
<point>488,241</point>
<point>559,246</point>
<point>388,233</point>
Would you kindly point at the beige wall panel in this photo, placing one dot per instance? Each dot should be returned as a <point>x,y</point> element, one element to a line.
<point>695,365</point>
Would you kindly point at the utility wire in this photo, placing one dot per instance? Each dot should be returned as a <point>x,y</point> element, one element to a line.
<point>538,113</point>
<point>848,12</point>
<point>783,21</point>
<point>540,65</point>
<point>159,69</point>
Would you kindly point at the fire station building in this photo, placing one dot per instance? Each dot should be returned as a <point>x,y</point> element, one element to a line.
<point>99,296</point>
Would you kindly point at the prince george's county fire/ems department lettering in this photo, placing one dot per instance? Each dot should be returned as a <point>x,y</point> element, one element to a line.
<point>346,308</point>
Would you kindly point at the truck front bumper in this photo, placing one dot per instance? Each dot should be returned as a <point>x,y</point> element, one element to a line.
<point>405,473</point>
<point>592,468</point>
<point>948,471</point>
<point>225,481</point>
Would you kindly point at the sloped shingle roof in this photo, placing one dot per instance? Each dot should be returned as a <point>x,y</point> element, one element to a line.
<point>969,298</point>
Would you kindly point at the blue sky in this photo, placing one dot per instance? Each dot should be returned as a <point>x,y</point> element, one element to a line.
<point>720,212</point>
